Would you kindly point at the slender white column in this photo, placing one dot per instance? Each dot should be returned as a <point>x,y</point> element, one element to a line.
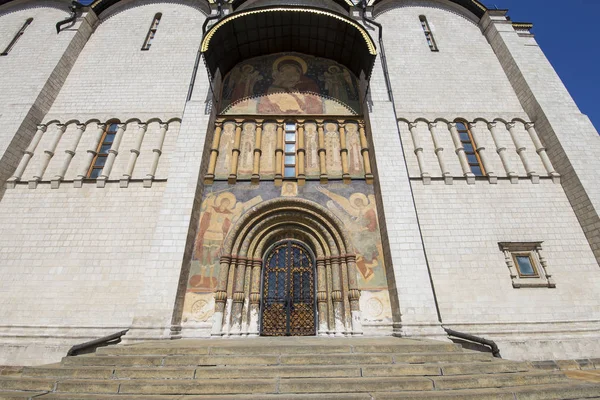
<point>89,156</point>
<point>541,150</point>
<point>47,156</point>
<point>522,153</point>
<point>481,150</point>
<point>501,150</point>
<point>426,176</point>
<point>112,154</point>
<point>69,154</point>
<point>135,152</point>
<point>460,152</point>
<point>439,152</point>
<point>157,152</point>
<point>27,156</point>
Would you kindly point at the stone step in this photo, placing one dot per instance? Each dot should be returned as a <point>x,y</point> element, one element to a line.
<point>497,380</point>
<point>67,372</point>
<point>26,384</point>
<point>415,347</point>
<point>12,395</point>
<point>433,369</point>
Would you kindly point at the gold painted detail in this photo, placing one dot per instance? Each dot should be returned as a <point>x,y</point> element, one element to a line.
<point>363,32</point>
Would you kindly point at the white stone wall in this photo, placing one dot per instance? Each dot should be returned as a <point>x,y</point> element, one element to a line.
<point>114,78</point>
<point>83,262</point>
<point>462,226</point>
<point>464,78</point>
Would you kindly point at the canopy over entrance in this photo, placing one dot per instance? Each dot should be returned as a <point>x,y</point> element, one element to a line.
<point>268,30</point>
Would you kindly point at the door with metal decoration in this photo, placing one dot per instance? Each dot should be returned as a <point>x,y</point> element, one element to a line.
<point>288,306</point>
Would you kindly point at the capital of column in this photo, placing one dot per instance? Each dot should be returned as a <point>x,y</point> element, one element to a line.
<point>412,125</point>
<point>432,125</point>
<point>529,125</point>
<point>472,125</point>
<point>142,125</point>
<point>80,127</point>
<point>61,127</point>
<point>121,126</point>
<point>42,127</point>
<point>452,125</point>
<point>492,125</point>
<point>510,125</point>
<point>101,127</point>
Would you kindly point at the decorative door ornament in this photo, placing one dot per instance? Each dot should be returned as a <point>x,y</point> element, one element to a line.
<point>288,291</point>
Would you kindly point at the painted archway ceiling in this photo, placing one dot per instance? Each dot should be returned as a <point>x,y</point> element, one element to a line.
<point>268,30</point>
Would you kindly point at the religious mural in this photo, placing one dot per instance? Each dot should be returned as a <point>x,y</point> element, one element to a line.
<point>223,205</point>
<point>290,84</point>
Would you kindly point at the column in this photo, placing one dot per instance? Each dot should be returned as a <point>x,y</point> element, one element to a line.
<point>439,152</point>
<point>336,296</point>
<point>156,154</point>
<point>344,152</point>
<point>481,150</point>
<point>235,157</point>
<point>510,172</point>
<point>365,153</point>
<point>238,295</point>
<point>47,156</point>
<point>29,151</point>
<point>301,153</point>
<point>354,296</point>
<point>279,154</point>
<point>322,297</point>
<point>257,152</point>
<point>322,153</point>
<point>255,298</point>
<point>134,154</point>
<point>221,296</point>
<point>209,178</point>
<point>460,152</point>
<point>89,157</point>
<point>425,175</point>
<point>541,150</point>
<point>69,154</point>
<point>112,154</point>
<point>535,178</point>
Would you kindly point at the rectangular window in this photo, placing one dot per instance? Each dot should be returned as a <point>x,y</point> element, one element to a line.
<point>17,37</point>
<point>152,32</point>
<point>289,159</point>
<point>102,152</point>
<point>428,34</point>
<point>527,265</point>
<point>468,143</point>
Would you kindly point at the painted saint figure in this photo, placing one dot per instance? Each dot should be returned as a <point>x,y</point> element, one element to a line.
<point>336,81</point>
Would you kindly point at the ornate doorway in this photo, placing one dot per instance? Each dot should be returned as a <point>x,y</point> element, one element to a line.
<point>288,306</point>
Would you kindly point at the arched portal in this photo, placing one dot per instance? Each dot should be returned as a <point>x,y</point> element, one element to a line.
<point>247,254</point>
<point>288,303</point>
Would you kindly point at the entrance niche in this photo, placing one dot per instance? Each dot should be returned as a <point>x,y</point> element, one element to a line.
<point>287,268</point>
<point>288,304</point>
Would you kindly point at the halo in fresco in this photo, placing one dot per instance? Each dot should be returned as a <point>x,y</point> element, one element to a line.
<point>290,83</point>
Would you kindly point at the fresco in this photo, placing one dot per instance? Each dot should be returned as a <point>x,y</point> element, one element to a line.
<point>246,151</point>
<point>223,205</point>
<point>290,83</point>
<point>312,169</point>
<point>355,161</point>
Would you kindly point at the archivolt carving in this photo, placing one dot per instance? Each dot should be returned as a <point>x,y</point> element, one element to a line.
<point>243,252</point>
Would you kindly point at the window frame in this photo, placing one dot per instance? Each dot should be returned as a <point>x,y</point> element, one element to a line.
<point>102,143</point>
<point>533,250</point>
<point>471,142</point>
<point>17,37</point>
<point>431,42</point>
<point>286,153</point>
<point>152,32</point>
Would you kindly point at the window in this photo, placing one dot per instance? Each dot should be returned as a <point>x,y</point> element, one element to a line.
<point>289,158</point>
<point>428,34</point>
<point>108,137</point>
<point>152,32</point>
<point>466,138</point>
<point>527,265</point>
<point>17,37</point>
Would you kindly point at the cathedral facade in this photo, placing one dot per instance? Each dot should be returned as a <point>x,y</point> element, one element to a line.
<point>342,168</point>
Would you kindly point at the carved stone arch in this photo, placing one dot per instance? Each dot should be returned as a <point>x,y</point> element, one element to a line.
<point>238,301</point>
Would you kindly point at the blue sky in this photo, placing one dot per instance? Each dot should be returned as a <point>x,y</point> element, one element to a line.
<point>567,31</point>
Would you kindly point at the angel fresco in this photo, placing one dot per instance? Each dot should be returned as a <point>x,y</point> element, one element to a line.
<point>241,81</point>
<point>359,216</point>
<point>219,213</point>
<point>336,81</point>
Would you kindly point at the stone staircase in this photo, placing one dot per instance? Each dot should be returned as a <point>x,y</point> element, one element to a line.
<point>291,368</point>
